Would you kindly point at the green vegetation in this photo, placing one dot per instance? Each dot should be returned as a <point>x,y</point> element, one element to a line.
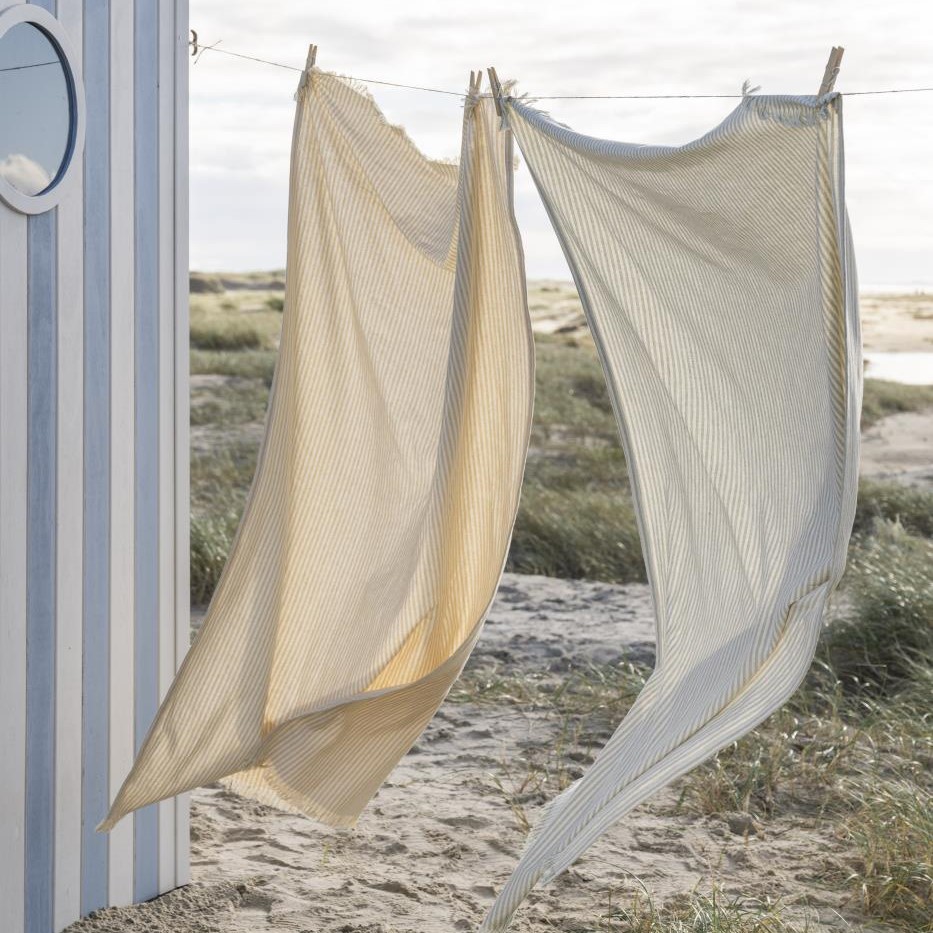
<point>211,539</point>
<point>890,398</point>
<point>895,502</point>
<point>887,639</point>
<point>231,335</point>
<point>576,517</point>
<point>577,533</point>
<point>892,830</point>
<point>251,364</point>
<point>234,336</point>
<point>230,400</point>
<point>698,913</point>
<point>199,284</point>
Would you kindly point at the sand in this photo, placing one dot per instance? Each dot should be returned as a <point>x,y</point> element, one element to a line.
<point>442,834</point>
<point>900,448</point>
<point>897,323</point>
<point>891,323</point>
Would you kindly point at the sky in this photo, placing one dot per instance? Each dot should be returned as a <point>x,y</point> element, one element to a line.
<point>242,112</point>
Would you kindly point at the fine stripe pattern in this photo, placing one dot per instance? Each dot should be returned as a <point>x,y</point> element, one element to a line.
<point>388,483</point>
<point>718,282</point>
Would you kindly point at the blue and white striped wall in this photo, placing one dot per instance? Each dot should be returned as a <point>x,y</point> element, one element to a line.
<point>93,479</point>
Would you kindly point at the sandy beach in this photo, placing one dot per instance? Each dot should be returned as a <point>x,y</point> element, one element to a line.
<point>443,833</point>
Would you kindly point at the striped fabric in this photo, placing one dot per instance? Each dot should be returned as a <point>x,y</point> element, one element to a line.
<point>718,281</point>
<point>388,483</point>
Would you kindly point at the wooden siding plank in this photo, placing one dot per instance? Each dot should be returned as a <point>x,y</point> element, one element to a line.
<point>42,401</point>
<point>95,848</point>
<point>182,514</point>
<point>122,429</point>
<point>146,287</point>
<point>70,528</point>
<point>41,501</point>
<point>166,427</point>
<point>13,562</point>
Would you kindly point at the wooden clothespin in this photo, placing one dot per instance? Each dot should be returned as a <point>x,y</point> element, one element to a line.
<point>312,57</point>
<point>496,89</point>
<point>476,81</point>
<point>832,69</point>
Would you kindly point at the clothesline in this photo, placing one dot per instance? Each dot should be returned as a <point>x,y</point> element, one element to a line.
<point>199,50</point>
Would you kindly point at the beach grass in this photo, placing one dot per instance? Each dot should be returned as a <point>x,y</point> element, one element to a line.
<point>248,364</point>
<point>228,401</point>
<point>713,912</point>
<point>885,641</point>
<point>225,335</point>
<point>576,516</point>
<point>911,507</point>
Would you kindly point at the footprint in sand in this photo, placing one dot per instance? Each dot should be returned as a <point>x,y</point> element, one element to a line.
<point>244,834</point>
<point>271,860</point>
<point>252,902</point>
<point>485,891</point>
<point>395,887</point>
<point>466,822</point>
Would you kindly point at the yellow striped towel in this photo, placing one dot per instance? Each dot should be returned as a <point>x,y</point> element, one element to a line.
<point>382,508</point>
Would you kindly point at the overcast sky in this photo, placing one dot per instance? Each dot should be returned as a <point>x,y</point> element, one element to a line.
<point>241,112</point>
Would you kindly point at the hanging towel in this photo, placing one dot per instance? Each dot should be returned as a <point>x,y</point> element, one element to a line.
<point>382,508</point>
<point>718,282</point>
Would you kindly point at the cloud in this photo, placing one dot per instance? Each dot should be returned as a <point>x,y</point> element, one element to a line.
<point>24,174</point>
<point>241,112</point>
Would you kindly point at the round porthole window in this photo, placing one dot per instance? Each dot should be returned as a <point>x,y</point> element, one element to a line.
<point>41,109</point>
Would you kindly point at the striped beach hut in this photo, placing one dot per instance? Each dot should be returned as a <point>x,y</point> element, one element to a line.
<point>93,444</point>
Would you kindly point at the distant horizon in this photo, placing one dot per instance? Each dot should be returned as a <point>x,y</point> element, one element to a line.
<point>865,288</point>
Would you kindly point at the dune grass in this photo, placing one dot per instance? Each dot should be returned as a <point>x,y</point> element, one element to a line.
<point>883,398</point>
<point>228,401</point>
<point>715,912</point>
<point>225,335</point>
<point>576,517</point>
<point>211,539</point>
<point>911,507</point>
<point>577,533</point>
<point>243,320</point>
<point>251,364</point>
<point>886,640</point>
<point>220,481</point>
<point>892,831</point>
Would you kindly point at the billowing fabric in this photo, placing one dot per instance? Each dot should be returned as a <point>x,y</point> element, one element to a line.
<point>718,282</point>
<point>381,512</point>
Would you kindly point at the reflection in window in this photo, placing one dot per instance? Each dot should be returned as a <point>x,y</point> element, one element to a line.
<point>35,117</point>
